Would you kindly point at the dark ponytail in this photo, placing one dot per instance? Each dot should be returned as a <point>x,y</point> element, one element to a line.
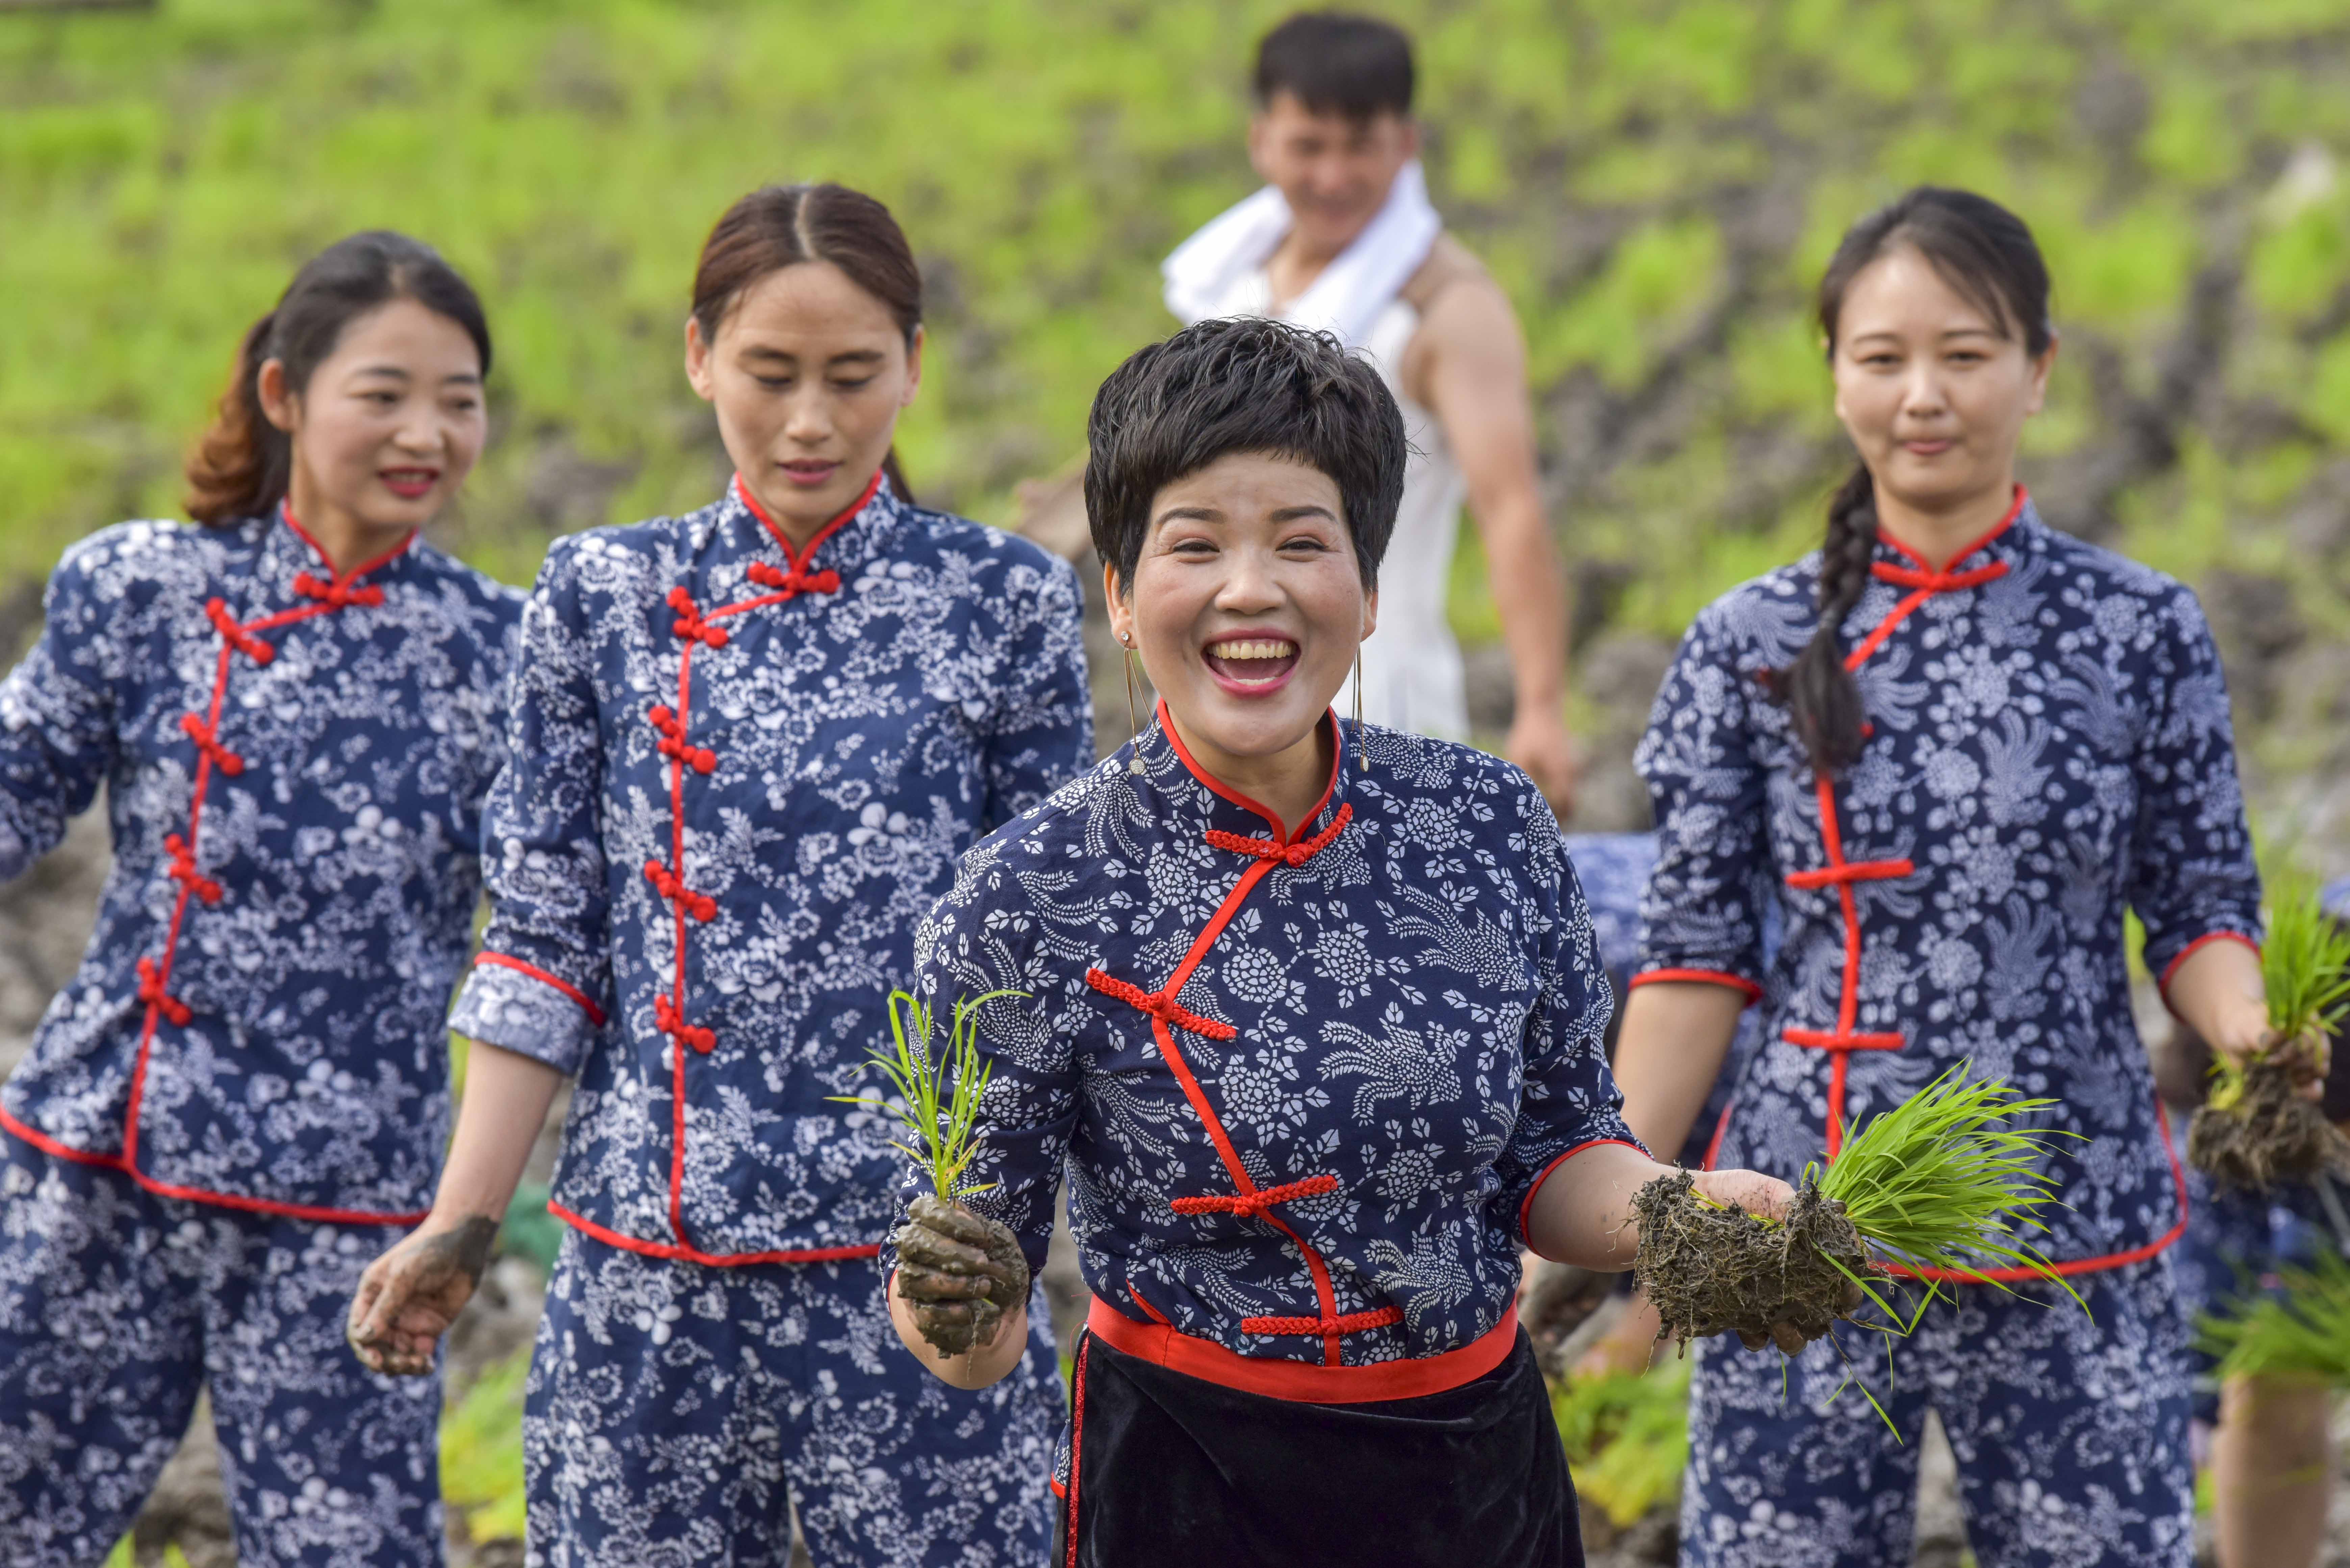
<point>778,226</point>
<point>240,466</point>
<point>1987,255</point>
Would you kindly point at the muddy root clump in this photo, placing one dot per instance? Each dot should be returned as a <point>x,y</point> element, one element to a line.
<point>1709,1270</point>
<point>2271,1136</point>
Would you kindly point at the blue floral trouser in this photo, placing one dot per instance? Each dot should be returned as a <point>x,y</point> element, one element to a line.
<point>2071,1436</point>
<point>116,1306</point>
<point>676,1411</point>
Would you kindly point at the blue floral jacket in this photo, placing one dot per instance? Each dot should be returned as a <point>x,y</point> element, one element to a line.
<point>741,775</point>
<point>2049,747</point>
<point>1306,1087</point>
<point>295,765</point>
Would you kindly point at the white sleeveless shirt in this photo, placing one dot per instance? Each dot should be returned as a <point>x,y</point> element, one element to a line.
<point>1412,677</point>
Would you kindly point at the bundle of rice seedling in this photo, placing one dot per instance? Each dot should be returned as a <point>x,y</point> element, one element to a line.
<point>937,1102</point>
<point>2303,1334</point>
<point>2257,1129</point>
<point>1939,1182</point>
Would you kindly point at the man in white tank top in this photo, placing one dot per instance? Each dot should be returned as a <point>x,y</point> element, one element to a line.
<point>1344,238</point>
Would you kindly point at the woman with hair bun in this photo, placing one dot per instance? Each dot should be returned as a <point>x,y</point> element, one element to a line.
<point>1955,747</point>
<point>293,708</point>
<point>749,744</point>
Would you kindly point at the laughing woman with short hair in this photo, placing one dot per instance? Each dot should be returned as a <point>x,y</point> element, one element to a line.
<point>1312,1012</point>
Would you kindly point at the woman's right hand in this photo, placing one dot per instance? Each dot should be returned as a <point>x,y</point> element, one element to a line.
<point>409,1297</point>
<point>1769,1197</point>
<point>962,1273</point>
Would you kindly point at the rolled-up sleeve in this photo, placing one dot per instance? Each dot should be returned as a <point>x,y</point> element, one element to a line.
<point>542,984</point>
<point>1570,1100</point>
<point>58,723</point>
<point>1703,916</point>
<point>1042,732</point>
<point>2192,876</point>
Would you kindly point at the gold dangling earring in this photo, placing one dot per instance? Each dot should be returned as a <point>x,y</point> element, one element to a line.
<point>1360,753</point>
<point>1133,724</point>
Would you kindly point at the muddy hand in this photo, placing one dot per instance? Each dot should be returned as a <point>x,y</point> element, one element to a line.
<point>1796,1333</point>
<point>409,1296</point>
<point>964,1274</point>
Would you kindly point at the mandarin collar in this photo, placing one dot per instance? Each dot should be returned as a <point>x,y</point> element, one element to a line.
<point>2009,542</point>
<point>290,556</point>
<point>854,537</point>
<point>1185,797</point>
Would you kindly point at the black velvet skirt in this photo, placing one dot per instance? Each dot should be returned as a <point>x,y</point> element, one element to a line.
<point>1173,1469</point>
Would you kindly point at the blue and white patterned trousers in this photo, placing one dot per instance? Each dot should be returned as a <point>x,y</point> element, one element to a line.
<point>676,1411</point>
<point>2071,1436</point>
<point>117,1305</point>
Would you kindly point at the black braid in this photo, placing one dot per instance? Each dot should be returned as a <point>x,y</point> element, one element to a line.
<point>1819,691</point>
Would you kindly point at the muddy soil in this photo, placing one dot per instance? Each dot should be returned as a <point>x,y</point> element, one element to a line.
<point>1710,1269</point>
<point>2272,1134</point>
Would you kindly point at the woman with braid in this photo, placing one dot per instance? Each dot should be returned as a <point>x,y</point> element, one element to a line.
<point>1957,745</point>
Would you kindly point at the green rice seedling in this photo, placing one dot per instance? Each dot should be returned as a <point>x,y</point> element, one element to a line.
<point>2302,1334</point>
<point>2257,1129</point>
<point>938,1093</point>
<point>1942,1182</point>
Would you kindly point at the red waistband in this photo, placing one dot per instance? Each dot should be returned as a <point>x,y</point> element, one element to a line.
<point>1307,1383</point>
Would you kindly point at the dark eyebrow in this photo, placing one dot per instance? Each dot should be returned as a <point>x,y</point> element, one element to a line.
<point>858,356</point>
<point>462,378</point>
<point>1311,509</point>
<point>1195,513</point>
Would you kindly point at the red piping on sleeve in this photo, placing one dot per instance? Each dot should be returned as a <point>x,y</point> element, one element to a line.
<point>1526,1204</point>
<point>595,1013</point>
<point>1699,977</point>
<point>2206,939</point>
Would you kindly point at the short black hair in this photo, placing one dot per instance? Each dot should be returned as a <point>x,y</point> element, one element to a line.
<point>1243,384</point>
<point>1335,62</point>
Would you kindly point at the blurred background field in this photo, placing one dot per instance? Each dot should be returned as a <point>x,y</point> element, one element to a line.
<point>1655,182</point>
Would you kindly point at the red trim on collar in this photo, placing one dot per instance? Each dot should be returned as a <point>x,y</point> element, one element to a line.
<point>285,510</point>
<point>1282,837</point>
<point>797,560</point>
<point>2014,510</point>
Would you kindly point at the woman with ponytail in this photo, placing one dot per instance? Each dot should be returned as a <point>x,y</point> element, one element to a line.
<point>749,744</point>
<point>243,1094</point>
<point>1956,746</point>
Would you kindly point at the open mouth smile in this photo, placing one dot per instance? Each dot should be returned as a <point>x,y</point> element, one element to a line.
<point>1256,664</point>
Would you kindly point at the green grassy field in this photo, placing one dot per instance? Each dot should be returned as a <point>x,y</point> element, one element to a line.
<point>1657,183</point>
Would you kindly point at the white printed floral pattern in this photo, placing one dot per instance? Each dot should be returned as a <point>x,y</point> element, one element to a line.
<point>1405,1032</point>
<point>736,789</point>
<point>295,765</point>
